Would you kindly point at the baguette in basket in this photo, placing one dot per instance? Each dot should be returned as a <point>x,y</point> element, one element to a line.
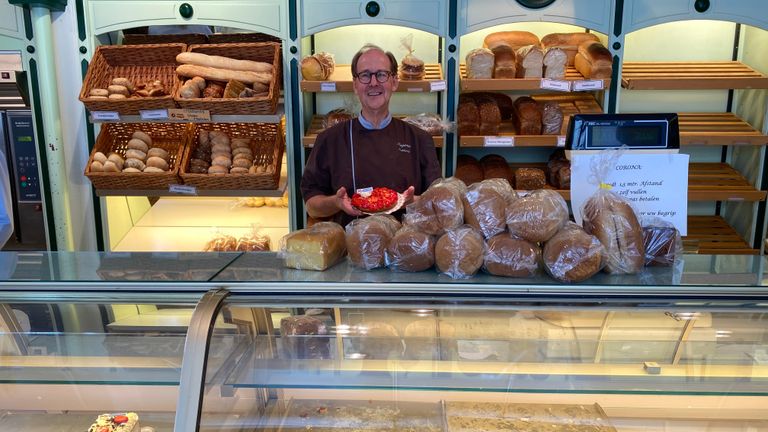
<point>217,74</point>
<point>219,62</point>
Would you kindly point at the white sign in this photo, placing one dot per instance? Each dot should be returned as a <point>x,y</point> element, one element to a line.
<point>155,114</point>
<point>558,85</point>
<point>561,141</point>
<point>328,86</point>
<point>585,85</point>
<point>414,89</point>
<point>655,184</point>
<point>105,115</point>
<point>499,141</point>
<point>437,85</point>
<point>182,189</point>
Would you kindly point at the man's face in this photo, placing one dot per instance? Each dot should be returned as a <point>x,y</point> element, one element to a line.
<point>374,95</point>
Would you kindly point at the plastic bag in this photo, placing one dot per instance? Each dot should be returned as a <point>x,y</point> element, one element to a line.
<point>613,220</point>
<point>485,205</point>
<point>221,243</point>
<point>439,208</point>
<point>254,241</point>
<point>662,241</point>
<point>432,124</point>
<point>459,252</point>
<point>339,115</point>
<point>316,248</point>
<point>410,251</point>
<point>367,240</point>
<point>508,256</point>
<point>411,67</point>
<point>304,337</point>
<point>573,255</point>
<point>317,67</point>
<point>537,216</point>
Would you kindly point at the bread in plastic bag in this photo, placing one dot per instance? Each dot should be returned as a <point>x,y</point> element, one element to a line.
<point>254,241</point>
<point>662,242</point>
<point>439,208</point>
<point>459,252</point>
<point>430,123</point>
<point>537,216</point>
<point>411,67</point>
<point>485,205</point>
<point>336,116</point>
<point>316,248</point>
<point>368,238</point>
<point>611,219</point>
<point>573,255</point>
<point>509,256</point>
<point>221,243</point>
<point>317,67</point>
<point>410,250</point>
<point>304,337</point>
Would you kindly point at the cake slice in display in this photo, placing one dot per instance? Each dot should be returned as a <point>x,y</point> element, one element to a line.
<point>127,422</point>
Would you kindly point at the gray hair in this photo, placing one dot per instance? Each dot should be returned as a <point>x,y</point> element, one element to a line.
<point>371,47</point>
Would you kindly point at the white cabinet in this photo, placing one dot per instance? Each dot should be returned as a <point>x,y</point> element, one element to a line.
<point>11,21</point>
<point>645,13</point>
<point>426,15</point>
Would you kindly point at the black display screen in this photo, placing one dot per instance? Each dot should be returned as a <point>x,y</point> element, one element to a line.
<point>652,135</point>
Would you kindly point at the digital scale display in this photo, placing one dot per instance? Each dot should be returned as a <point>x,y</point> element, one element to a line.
<point>633,131</point>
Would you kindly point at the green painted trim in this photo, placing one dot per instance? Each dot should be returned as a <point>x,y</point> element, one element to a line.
<point>28,23</point>
<point>80,11</point>
<point>292,20</point>
<point>98,226</point>
<point>43,162</point>
<point>52,5</point>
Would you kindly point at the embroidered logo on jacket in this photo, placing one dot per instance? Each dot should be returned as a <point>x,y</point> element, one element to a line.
<point>405,148</point>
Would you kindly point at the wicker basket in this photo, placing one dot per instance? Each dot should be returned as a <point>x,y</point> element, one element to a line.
<point>267,145</point>
<point>268,52</point>
<point>143,39</point>
<point>139,64</point>
<point>220,38</point>
<point>114,137</point>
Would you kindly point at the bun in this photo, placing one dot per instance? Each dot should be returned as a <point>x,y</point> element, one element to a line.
<point>515,39</point>
<point>572,255</point>
<point>459,252</point>
<point>480,63</point>
<point>568,42</point>
<point>538,216</point>
<point>530,61</point>
<point>612,220</point>
<point>367,240</point>
<point>511,257</point>
<point>594,61</point>
<point>410,251</point>
<point>526,116</point>
<point>439,208</point>
<point>485,206</point>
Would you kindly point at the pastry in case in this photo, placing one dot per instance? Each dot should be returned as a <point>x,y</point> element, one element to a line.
<point>472,416</point>
<point>127,422</point>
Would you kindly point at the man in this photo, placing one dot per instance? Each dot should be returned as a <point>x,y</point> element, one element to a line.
<point>373,150</point>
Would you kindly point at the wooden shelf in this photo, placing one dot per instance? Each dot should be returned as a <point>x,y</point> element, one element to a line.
<point>706,182</point>
<point>342,78</point>
<point>690,76</point>
<point>711,235</point>
<point>496,84</point>
<point>316,126</point>
<point>718,129</point>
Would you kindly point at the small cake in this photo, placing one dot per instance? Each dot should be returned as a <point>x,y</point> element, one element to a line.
<point>127,422</point>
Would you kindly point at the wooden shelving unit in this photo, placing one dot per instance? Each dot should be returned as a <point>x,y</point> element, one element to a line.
<point>712,235</point>
<point>691,75</point>
<point>500,84</point>
<point>341,78</point>
<point>316,126</point>
<point>718,129</point>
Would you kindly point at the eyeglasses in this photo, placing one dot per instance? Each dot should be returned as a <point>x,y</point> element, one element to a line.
<point>382,76</point>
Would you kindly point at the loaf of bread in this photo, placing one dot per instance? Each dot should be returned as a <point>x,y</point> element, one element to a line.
<point>495,166</point>
<point>529,179</point>
<point>573,255</point>
<point>485,205</point>
<point>368,238</point>
<point>564,177</point>
<point>530,61</point>
<point>480,64</point>
<point>537,216</point>
<point>508,256</point>
<point>217,74</point>
<point>526,116</point>
<point>611,219</point>
<point>315,248</point>
<point>514,38</point>
<point>504,61</point>
<point>467,116</point>
<point>439,208</point>
<point>468,169</point>
<point>317,67</point>
<point>594,61</point>
<point>504,103</point>
<point>568,42</point>
<point>223,62</point>
<point>551,118</point>
<point>555,61</point>
<point>304,337</point>
<point>410,251</point>
<point>335,117</point>
<point>459,252</point>
<point>489,115</point>
<point>662,245</point>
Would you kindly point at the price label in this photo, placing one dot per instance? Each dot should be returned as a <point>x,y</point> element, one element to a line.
<point>437,85</point>
<point>557,85</point>
<point>497,141</point>
<point>327,86</point>
<point>585,85</point>
<point>105,115</point>
<point>189,115</point>
<point>156,114</point>
<point>560,141</point>
<point>415,89</point>
<point>182,189</point>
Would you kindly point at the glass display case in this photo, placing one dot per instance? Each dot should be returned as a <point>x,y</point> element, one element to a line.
<point>234,342</point>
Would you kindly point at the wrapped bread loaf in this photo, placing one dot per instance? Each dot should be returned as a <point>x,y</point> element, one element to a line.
<point>594,61</point>
<point>459,252</point>
<point>551,118</point>
<point>508,256</point>
<point>537,216</point>
<point>530,61</point>
<point>315,248</point>
<point>317,67</point>
<point>526,116</point>
<point>304,337</point>
<point>613,221</point>
<point>568,42</point>
<point>573,255</point>
<point>480,64</point>
<point>439,208</point>
<point>485,205</point>
<point>367,240</point>
<point>662,245</point>
<point>410,251</point>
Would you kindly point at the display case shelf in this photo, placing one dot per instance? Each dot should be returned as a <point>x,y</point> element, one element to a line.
<point>718,129</point>
<point>199,192</point>
<point>713,235</point>
<point>316,126</point>
<point>690,75</point>
<point>341,81</point>
<point>497,84</point>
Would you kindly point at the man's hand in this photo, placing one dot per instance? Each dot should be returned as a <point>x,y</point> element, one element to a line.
<point>408,195</point>
<point>344,202</point>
